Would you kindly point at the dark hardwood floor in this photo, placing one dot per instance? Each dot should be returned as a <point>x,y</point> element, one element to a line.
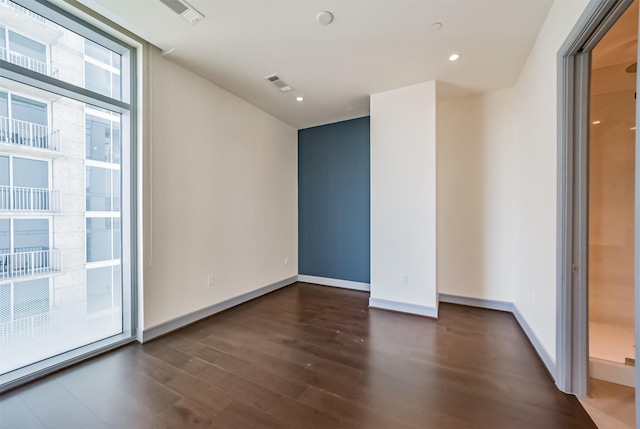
<point>309,356</point>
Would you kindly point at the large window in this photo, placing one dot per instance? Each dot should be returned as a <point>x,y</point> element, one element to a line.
<point>65,188</point>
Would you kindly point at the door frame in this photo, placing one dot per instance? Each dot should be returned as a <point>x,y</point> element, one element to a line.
<point>572,315</point>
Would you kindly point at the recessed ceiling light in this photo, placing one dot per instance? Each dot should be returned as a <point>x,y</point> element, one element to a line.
<point>454,57</point>
<point>632,128</point>
<point>300,99</point>
<point>436,26</point>
<point>595,122</point>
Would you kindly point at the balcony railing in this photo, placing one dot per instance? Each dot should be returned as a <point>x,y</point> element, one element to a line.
<point>28,134</point>
<point>30,327</point>
<point>29,262</point>
<point>29,199</point>
<point>27,62</point>
<point>19,8</point>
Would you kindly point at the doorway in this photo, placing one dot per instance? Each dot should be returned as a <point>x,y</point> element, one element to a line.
<point>597,199</point>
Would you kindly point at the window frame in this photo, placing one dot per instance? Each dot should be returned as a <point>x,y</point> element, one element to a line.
<point>127,107</point>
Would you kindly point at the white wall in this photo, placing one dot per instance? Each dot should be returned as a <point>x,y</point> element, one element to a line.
<point>403,196</point>
<point>223,196</point>
<point>497,186</point>
<point>476,197</point>
<point>536,167</point>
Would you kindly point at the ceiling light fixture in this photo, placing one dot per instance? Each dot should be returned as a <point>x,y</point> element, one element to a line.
<point>299,99</point>
<point>454,57</point>
<point>324,17</point>
<point>595,122</point>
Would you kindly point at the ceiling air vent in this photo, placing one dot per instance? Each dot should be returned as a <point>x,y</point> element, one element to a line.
<point>183,9</point>
<point>275,79</point>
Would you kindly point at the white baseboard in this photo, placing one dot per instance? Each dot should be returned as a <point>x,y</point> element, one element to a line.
<point>325,281</point>
<point>182,321</point>
<point>489,304</point>
<point>548,361</point>
<point>612,372</point>
<point>510,307</point>
<point>404,307</point>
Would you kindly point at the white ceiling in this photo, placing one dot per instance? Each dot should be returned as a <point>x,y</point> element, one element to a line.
<point>372,46</point>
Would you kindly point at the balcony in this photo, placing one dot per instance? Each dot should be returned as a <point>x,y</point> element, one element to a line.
<point>29,23</point>
<point>28,135</point>
<point>27,62</point>
<point>29,262</point>
<point>14,198</point>
<point>30,327</point>
<point>23,10</point>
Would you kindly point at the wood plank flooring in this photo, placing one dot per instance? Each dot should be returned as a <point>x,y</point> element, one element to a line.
<point>306,357</point>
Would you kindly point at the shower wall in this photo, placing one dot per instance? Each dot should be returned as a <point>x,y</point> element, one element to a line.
<point>611,196</point>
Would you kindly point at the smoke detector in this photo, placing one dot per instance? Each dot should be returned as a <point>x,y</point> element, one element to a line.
<point>184,9</point>
<point>282,85</point>
<point>324,17</point>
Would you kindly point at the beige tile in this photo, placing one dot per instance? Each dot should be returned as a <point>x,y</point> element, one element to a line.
<point>611,406</point>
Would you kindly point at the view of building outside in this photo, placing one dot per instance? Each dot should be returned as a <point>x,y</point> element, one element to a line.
<point>60,239</point>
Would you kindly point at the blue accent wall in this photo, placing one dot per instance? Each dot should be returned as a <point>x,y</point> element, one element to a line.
<point>334,200</point>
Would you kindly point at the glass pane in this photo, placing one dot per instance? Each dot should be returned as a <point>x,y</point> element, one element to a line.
<point>31,298</point>
<point>97,52</point>
<point>98,138</point>
<point>30,173</point>
<point>45,47</point>
<point>5,301</point>
<point>99,289</point>
<point>4,104</point>
<point>116,142</point>
<point>60,281</point>
<point>98,239</point>
<point>28,110</point>
<point>117,286</point>
<point>23,46</point>
<point>116,238</point>
<point>30,235</point>
<point>98,189</point>
<point>5,236</point>
<point>4,171</point>
<point>116,190</point>
<point>97,79</point>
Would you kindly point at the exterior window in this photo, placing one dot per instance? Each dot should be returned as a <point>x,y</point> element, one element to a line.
<point>103,136</point>
<point>62,174</point>
<point>98,189</point>
<point>102,70</point>
<point>99,239</point>
<point>27,47</point>
<point>100,290</point>
<point>24,185</point>
<point>24,121</point>
<point>23,51</point>
<point>30,235</point>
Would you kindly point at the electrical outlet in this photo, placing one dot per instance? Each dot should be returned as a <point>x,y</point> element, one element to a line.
<point>286,260</point>
<point>210,280</point>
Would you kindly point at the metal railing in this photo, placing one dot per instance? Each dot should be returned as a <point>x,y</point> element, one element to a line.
<point>27,62</point>
<point>28,134</point>
<point>30,327</point>
<point>29,199</point>
<point>24,10</point>
<point>28,263</point>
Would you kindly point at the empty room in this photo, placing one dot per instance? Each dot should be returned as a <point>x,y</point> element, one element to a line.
<point>316,214</point>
